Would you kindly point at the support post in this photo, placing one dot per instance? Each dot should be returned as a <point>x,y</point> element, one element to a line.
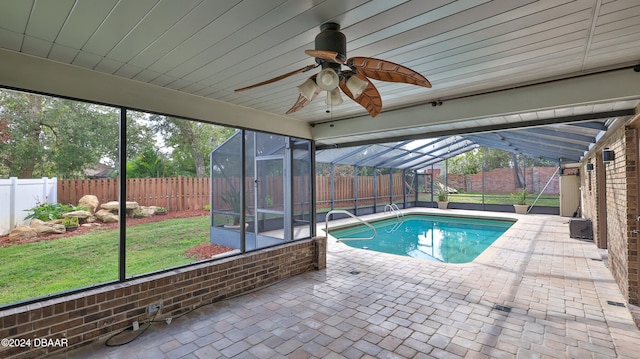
<point>122,197</point>
<point>375,189</point>
<point>355,189</point>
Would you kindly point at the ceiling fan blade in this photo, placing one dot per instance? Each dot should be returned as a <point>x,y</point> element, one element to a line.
<point>303,101</point>
<point>369,99</point>
<point>325,55</point>
<point>386,71</point>
<point>304,69</point>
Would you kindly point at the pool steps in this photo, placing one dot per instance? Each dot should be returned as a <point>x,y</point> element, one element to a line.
<point>334,211</point>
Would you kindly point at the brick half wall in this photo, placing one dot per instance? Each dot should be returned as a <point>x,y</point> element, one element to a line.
<point>83,318</point>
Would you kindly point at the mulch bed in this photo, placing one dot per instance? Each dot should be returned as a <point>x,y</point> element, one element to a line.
<point>199,252</point>
<point>205,251</point>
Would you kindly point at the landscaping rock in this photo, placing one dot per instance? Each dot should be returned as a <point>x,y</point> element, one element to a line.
<point>46,227</point>
<point>148,211</point>
<point>22,232</point>
<point>83,216</point>
<point>110,206</point>
<point>92,224</point>
<point>132,205</point>
<point>106,216</point>
<point>90,202</point>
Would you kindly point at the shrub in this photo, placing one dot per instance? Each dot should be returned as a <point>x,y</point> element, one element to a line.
<point>232,199</point>
<point>443,195</point>
<point>49,211</point>
<point>70,221</point>
<point>520,197</point>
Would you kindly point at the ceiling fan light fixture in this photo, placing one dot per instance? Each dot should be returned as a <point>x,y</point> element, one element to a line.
<point>333,97</point>
<point>356,86</point>
<point>328,79</point>
<point>330,52</point>
<point>307,89</point>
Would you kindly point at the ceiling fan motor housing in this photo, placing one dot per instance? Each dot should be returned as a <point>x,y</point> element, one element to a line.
<point>331,53</point>
<point>331,39</point>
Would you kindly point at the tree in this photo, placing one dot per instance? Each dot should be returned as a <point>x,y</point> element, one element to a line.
<point>48,136</point>
<point>149,164</point>
<point>486,159</point>
<point>191,142</point>
<point>466,163</point>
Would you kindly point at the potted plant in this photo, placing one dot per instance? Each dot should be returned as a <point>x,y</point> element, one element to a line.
<point>70,223</point>
<point>232,198</point>
<point>443,198</point>
<point>520,201</point>
<point>160,211</point>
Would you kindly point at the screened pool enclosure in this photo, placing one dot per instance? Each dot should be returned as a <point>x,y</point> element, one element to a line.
<point>261,190</point>
<point>267,188</point>
<point>477,171</point>
<point>365,179</point>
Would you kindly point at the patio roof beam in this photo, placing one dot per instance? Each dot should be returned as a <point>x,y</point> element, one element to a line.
<point>533,151</point>
<point>534,140</point>
<point>596,125</point>
<point>465,147</point>
<point>550,133</point>
<point>383,152</point>
<point>431,162</point>
<point>588,89</point>
<point>399,165</point>
<point>415,150</point>
<point>349,154</point>
<point>584,120</point>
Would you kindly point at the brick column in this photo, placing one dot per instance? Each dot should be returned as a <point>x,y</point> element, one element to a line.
<point>321,252</point>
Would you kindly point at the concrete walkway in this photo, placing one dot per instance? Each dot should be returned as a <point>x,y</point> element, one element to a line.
<point>535,293</point>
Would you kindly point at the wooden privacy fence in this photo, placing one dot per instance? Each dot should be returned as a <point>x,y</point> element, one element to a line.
<point>344,191</point>
<point>173,193</point>
<point>183,193</point>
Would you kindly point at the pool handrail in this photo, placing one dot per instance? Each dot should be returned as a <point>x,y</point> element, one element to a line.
<point>334,211</point>
<point>393,208</point>
<point>395,226</point>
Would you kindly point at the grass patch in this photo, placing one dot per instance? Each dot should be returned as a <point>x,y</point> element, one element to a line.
<point>42,268</point>
<point>476,198</point>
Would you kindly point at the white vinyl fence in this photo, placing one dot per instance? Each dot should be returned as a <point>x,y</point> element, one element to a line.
<point>18,195</point>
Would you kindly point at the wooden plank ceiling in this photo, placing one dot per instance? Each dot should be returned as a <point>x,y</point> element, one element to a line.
<point>209,48</point>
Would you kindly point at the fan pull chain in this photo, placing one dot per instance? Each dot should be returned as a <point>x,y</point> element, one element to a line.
<point>328,103</point>
<point>329,109</point>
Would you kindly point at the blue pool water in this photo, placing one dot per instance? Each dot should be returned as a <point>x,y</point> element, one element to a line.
<point>438,238</point>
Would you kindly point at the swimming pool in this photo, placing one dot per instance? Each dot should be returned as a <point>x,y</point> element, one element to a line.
<point>438,238</point>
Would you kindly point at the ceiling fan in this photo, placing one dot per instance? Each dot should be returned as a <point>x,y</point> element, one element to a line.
<point>330,53</point>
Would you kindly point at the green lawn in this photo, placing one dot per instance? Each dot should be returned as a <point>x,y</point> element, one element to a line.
<point>47,267</point>
<point>476,198</point>
<point>545,200</point>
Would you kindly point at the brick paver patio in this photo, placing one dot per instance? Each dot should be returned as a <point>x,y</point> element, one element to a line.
<point>374,305</point>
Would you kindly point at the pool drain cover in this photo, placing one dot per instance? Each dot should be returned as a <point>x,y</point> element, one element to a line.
<point>354,272</point>
<point>615,304</point>
<point>502,308</point>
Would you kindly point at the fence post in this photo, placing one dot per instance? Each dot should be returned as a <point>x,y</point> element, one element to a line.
<point>180,193</point>
<point>13,186</point>
<point>45,190</point>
